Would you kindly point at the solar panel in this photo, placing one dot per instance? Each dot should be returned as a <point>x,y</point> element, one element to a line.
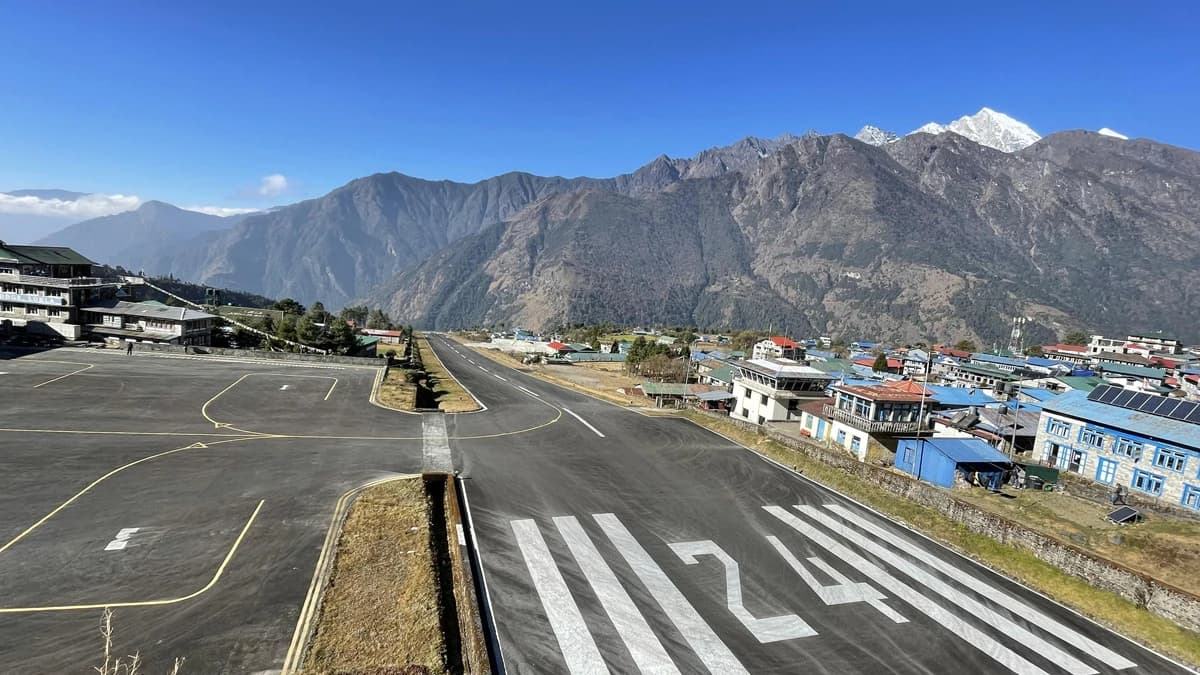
<point>1125,514</point>
<point>1187,411</point>
<point>1166,407</point>
<point>1097,393</point>
<point>1137,401</point>
<point>1110,393</point>
<point>1123,398</point>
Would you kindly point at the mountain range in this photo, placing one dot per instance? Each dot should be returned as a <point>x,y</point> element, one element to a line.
<point>946,234</point>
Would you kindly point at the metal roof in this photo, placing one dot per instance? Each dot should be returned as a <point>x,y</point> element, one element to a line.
<point>782,368</point>
<point>967,450</point>
<point>1084,383</point>
<point>1002,360</point>
<point>959,396</point>
<point>879,393</point>
<point>1076,404</point>
<point>1134,371</point>
<point>148,310</point>
<point>42,255</point>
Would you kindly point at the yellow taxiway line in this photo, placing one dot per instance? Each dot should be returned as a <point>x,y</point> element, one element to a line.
<point>86,366</point>
<point>152,603</point>
<point>312,601</point>
<point>101,479</point>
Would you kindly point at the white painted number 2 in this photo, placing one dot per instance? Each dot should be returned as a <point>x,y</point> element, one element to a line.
<point>770,629</point>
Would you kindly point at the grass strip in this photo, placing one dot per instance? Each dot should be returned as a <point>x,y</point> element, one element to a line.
<point>380,611</point>
<point>449,394</point>
<point>1105,608</point>
<point>398,390</point>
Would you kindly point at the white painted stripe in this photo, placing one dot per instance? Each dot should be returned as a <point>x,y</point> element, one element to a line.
<point>462,537</point>
<point>470,362</point>
<point>1051,651</point>
<point>844,591</point>
<point>116,544</point>
<point>499,378</point>
<point>435,445</point>
<point>594,429</point>
<point>972,635</point>
<point>528,391</point>
<point>484,369</point>
<point>574,639</point>
<point>648,653</point>
<point>1025,611</point>
<point>704,642</point>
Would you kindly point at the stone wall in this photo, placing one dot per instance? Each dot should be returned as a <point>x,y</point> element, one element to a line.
<point>256,354</point>
<point>1159,598</point>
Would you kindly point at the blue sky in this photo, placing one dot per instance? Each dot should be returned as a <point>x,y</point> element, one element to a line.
<point>196,105</point>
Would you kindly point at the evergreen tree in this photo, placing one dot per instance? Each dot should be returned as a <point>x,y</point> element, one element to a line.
<point>286,329</point>
<point>306,330</point>
<point>289,306</point>
<point>966,345</point>
<point>342,337</point>
<point>595,344</point>
<point>378,320</point>
<point>1077,337</point>
<point>615,348</point>
<point>357,314</point>
<point>881,363</point>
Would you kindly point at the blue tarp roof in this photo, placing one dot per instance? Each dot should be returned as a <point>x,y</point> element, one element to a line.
<point>959,396</point>
<point>1076,404</point>
<point>1046,363</point>
<point>967,450</point>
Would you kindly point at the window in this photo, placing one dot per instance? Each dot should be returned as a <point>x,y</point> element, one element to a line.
<point>855,443</point>
<point>762,398</point>
<point>745,412</point>
<point>1092,438</point>
<point>54,312</point>
<point>1106,471</point>
<point>1171,460</point>
<point>761,420</point>
<point>908,455</point>
<point>841,437</point>
<point>30,309</point>
<point>1191,497</point>
<point>6,307</point>
<point>1147,482</point>
<point>1056,427</point>
<point>862,407</point>
<point>1127,448</point>
<point>746,392</point>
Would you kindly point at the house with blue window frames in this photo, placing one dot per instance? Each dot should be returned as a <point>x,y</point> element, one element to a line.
<point>1147,443</point>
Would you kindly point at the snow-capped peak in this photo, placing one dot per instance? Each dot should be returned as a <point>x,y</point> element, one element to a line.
<point>988,127</point>
<point>1109,132</point>
<point>875,136</point>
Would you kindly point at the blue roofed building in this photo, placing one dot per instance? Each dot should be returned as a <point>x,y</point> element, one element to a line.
<point>1044,366</point>
<point>945,397</point>
<point>941,460</point>
<point>1006,363</point>
<point>1147,443</point>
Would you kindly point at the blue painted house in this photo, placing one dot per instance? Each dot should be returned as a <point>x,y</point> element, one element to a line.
<point>938,460</point>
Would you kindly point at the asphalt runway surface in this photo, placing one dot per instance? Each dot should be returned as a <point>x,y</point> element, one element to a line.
<point>194,494</point>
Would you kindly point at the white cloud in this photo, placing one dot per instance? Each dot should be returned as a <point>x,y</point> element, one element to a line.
<point>222,211</point>
<point>273,185</point>
<point>87,206</point>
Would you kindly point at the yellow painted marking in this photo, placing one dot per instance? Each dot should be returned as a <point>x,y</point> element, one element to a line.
<point>308,610</point>
<point>227,425</point>
<point>96,482</point>
<point>86,432</point>
<point>86,366</point>
<point>195,446</point>
<point>204,408</point>
<point>152,603</point>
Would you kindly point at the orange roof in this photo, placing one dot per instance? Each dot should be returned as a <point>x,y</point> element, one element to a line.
<point>783,342</point>
<point>909,386</point>
<point>1065,348</point>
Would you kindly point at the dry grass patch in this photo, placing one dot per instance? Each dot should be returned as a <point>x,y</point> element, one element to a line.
<point>449,394</point>
<point>1106,608</point>
<point>380,612</point>
<point>398,390</point>
<point>601,379</point>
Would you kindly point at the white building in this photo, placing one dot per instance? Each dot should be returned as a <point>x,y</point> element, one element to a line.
<point>42,288</point>
<point>777,347</point>
<point>772,390</point>
<point>149,322</point>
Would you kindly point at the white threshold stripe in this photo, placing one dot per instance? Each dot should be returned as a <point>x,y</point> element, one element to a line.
<point>1025,611</point>
<point>970,634</point>
<point>575,641</point>
<point>713,653</point>
<point>1051,651</point>
<point>647,652</point>
<point>584,422</point>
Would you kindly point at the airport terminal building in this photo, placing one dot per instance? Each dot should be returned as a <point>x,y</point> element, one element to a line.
<point>42,288</point>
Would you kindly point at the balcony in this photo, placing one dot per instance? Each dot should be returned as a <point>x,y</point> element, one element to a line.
<point>871,426</point>
<point>57,282</point>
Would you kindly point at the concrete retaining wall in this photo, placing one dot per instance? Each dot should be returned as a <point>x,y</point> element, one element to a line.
<point>256,354</point>
<point>1159,598</point>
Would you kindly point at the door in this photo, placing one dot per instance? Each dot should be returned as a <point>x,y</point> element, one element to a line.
<point>1076,461</point>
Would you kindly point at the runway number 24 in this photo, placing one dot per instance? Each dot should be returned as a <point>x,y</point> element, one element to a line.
<point>787,626</point>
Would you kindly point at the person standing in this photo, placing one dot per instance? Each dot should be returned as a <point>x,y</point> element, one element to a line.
<point>129,348</point>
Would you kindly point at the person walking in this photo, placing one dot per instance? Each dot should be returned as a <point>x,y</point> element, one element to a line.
<point>129,348</point>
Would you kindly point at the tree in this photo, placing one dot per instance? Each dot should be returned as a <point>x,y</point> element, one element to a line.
<point>615,348</point>
<point>306,330</point>
<point>595,344</point>
<point>286,330</point>
<point>289,306</point>
<point>342,337</point>
<point>966,345</point>
<point>378,320</point>
<point>1034,351</point>
<point>356,313</point>
<point>1077,337</point>
<point>881,364</point>
<point>318,313</point>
